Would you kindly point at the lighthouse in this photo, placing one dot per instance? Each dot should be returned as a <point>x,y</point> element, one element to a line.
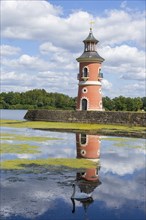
<point>89,88</point>
<point>87,180</point>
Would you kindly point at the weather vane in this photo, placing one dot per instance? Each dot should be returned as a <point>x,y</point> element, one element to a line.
<point>91,24</point>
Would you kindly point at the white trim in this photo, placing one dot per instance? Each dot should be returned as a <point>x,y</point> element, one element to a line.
<point>100,104</point>
<point>83,152</point>
<point>93,83</point>
<point>84,90</point>
<point>98,109</point>
<point>98,152</point>
<point>94,160</point>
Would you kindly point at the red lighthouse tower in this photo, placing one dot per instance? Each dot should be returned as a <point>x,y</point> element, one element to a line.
<point>90,76</point>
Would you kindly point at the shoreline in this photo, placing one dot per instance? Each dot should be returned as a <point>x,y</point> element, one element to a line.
<point>98,132</point>
<point>94,129</point>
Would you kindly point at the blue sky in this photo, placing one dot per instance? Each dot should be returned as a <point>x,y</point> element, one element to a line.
<point>40,41</point>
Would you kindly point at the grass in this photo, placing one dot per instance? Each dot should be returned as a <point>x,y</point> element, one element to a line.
<point>21,147</point>
<point>73,126</point>
<point>121,139</point>
<point>123,142</point>
<point>128,145</point>
<point>71,163</point>
<point>11,136</point>
<point>18,149</point>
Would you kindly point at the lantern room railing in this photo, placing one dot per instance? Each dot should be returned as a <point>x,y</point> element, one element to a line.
<point>100,75</point>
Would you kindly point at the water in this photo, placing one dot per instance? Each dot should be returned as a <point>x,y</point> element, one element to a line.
<point>117,183</point>
<point>12,114</point>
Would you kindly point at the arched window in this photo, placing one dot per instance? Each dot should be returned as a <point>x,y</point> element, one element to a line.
<point>84,104</point>
<point>83,139</point>
<point>85,72</point>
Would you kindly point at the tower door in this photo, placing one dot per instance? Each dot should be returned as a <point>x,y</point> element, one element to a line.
<point>84,104</point>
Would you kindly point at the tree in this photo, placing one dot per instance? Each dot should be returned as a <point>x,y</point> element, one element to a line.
<point>120,104</point>
<point>39,98</point>
<point>108,103</point>
<point>144,103</point>
<point>138,104</point>
<point>130,105</point>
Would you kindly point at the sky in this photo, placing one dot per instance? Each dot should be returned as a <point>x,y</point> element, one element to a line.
<point>40,41</point>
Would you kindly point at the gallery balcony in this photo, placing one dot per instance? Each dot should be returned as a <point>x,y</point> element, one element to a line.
<point>84,78</point>
<point>100,75</point>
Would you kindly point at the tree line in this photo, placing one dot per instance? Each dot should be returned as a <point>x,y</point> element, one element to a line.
<point>40,99</point>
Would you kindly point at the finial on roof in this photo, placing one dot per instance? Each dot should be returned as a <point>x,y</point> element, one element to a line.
<point>91,25</point>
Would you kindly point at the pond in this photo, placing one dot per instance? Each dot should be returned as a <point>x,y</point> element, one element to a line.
<point>114,188</point>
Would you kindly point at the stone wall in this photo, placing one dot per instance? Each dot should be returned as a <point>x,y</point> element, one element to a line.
<point>96,117</point>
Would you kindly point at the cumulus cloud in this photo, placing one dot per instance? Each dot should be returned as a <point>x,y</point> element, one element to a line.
<point>138,88</point>
<point>48,47</point>
<point>7,50</point>
<point>51,25</point>
<point>123,4</point>
<point>127,158</point>
<point>127,61</point>
<point>121,26</point>
<point>59,42</point>
<point>106,84</point>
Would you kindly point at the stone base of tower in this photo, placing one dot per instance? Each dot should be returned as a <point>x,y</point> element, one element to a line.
<point>97,117</point>
<point>91,117</point>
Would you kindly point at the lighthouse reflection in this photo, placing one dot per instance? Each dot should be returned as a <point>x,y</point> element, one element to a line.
<point>87,147</point>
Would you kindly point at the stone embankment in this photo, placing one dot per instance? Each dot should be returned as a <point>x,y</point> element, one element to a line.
<point>94,117</point>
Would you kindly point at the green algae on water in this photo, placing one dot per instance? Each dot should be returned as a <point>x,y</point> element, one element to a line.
<point>7,148</point>
<point>66,162</point>
<point>15,137</point>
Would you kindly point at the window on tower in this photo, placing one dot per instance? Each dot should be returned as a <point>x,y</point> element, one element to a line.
<point>85,72</point>
<point>83,139</point>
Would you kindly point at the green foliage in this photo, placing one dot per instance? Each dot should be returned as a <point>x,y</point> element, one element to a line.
<point>144,103</point>
<point>40,99</point>
<point>108,103</point>
<point>36,99</point>
<point>124,103</point>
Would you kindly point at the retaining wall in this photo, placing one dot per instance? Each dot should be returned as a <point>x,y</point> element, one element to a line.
<point>96,117</point>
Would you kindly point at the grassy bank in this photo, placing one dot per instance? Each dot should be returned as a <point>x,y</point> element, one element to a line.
<point>25,163</point>
<point>117,130</point>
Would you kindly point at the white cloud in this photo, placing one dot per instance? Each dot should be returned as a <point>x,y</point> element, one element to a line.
<point>123,4</point>
<point>26,63</point>
<point>127,61</point>
<point>71,29</point>
<point>138,88</point>
<point>59,42</point>
<point>106,84</point>
<point>123,163</point>
<point>48,47</point>
<point>7,50</point>
<point>121,26</point>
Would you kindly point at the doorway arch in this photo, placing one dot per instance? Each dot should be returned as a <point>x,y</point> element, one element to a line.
<point>84,104</point>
